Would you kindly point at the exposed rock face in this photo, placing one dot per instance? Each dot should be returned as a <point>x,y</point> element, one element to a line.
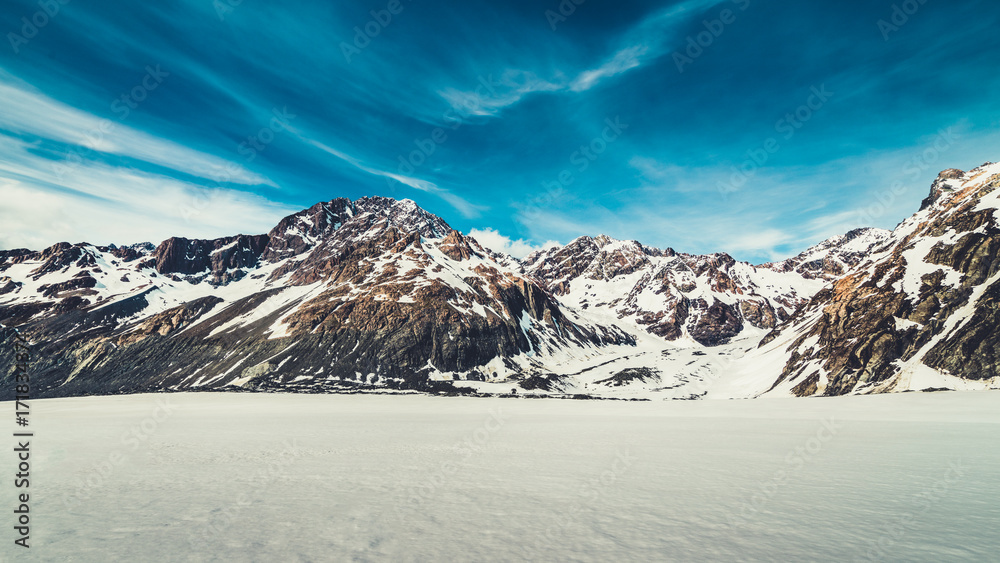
<point>16,256</point>
<point>927,301</point>
<point>946,182</point>
<point>758,314</point>
<point>714,324</point>
<point>8,285</point>
<point>631,375</point>
<point>833,257</point>
<point>458,247</point>
<point>298,233</point>
<point>60,256</point>
<point>709,299</point>
<point>132,252</point>
<point>371,292</point>
<point>170,320</point>
<point>973,352</point>
<point>83,280</point>
<point>223,259</point>
<point>63,255</point>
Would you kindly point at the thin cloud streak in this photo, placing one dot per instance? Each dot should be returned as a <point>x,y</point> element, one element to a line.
<point>105,204</point>
<point>520,104</point>
<point>643,44</point>
<point>461,205</point>
<point>33,113</point>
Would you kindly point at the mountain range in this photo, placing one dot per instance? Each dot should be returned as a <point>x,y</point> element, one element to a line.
<point>379,295</point>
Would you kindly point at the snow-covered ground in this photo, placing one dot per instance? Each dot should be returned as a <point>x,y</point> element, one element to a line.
<point>253,477</point>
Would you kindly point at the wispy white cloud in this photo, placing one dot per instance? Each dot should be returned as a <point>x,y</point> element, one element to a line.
<point>624,60</point>
<point>647,41</point>
<point>105,204</point>
<point>492,239</point>
<point>30,112</point>
<point>494,93</point>
<point>652,170</point>
<point>759,242</point>
<point>839,222</point>
<point>463,206</point>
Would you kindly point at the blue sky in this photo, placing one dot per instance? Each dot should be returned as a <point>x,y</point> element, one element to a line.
<point>754,127</point>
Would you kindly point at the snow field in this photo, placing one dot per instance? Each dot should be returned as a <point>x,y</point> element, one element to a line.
<point>259,477</point>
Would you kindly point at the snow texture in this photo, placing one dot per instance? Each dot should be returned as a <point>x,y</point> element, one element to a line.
<point>254,477</point>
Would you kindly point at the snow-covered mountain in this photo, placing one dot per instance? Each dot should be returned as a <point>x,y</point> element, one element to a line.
<point>379,294</point>
<point>375,291</point>
<point>705,300</point>
<point>833,257</point>
<point>921,311</point>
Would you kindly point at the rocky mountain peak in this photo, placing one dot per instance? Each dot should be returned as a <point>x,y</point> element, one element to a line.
<point>220,260</point>
<point>946,182</point>
<point>708,299</point>
<point>131,252</point>
<point>301,231</point>
<point>61,255</point>
<point>603,240</point>
<point>920,311</point>
<point>404,215</point>
<point>834,256</point>
<point>460,247</point>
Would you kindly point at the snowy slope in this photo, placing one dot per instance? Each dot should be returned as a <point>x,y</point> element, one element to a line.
<point>833,257</point>
<point>693,300</point>
<point>919,312</point>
